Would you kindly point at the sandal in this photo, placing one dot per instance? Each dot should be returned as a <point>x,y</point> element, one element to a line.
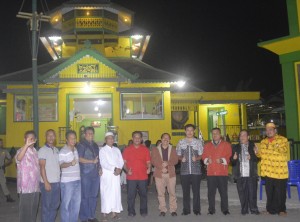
<point>265,212</point>
<point>104,219</point>
<point>115,216</point>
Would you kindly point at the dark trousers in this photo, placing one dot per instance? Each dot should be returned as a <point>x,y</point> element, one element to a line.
<point>89,196</point>
<point>276,195</point>
<point>186,182</point>
<point>50,202</point>
<point>247,190</point>
<point>28,206</point>
<point>134,186</point>
<point>220,183</point>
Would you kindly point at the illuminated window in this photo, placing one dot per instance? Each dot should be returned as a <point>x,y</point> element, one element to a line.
<point>142,106</point>
<point>23,108</point>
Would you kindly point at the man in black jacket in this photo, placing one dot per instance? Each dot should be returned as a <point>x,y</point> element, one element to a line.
<point>244,168</point>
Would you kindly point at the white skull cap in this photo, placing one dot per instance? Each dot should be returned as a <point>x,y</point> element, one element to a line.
<point>109,134</point>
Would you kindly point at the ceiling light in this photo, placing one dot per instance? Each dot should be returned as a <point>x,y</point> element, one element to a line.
<point>180,83</point>
<point>100,102</point>
<point>136,37</point>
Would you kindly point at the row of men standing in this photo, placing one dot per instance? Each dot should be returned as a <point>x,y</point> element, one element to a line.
<point>59,177</point>
<point>137,164</point>
<point>216,155</point>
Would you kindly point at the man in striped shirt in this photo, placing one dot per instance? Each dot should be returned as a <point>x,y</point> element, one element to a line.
<point>70,180</point>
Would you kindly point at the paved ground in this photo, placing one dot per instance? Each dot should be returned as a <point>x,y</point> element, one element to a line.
<point>9,211</point>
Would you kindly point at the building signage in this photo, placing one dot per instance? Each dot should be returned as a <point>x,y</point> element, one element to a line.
<point>87,68</point>
<point>221,113</point>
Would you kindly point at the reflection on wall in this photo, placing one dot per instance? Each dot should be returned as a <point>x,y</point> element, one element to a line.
<point>179,118</point>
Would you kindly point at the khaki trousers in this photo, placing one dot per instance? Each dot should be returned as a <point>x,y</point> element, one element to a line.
<point>161,184</point>
<point>3,183</point>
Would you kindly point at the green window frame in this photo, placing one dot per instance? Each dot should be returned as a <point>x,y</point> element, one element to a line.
<point>47,103</point>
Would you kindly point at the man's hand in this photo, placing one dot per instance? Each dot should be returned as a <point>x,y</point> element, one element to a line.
<point>96,160</point>
<point>47,186</point>
<point>209,160</point>
<point>194,158</point>
<point>220,160</point>
<point>183,159</point>
<point>129,172</point>
<point>235,156</point>
<point>164,164</point>
<point>255,149</point>
<point>117,171</point>
<point>29,142</point>
<point>164,170</point>
<point>148,170</point>
<point>100,172</point>
<point>248,157</point>
<point>74,161</point>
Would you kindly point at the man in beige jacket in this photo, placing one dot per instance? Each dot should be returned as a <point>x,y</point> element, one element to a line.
<point>164,159</point>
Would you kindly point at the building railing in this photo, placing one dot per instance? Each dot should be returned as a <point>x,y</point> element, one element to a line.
<point>230,132</point>
<point>294,149</point>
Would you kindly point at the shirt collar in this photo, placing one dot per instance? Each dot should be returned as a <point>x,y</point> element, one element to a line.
<point>216,144</point>
<point>49,146</point>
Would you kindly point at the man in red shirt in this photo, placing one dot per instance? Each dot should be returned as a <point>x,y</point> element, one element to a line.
<point>137,165</point>
<point>216,156</point>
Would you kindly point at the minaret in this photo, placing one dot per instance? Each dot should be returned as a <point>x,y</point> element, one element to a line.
<point>105,24</point>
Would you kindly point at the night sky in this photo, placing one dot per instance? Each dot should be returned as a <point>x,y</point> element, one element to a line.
<point>214,44</point>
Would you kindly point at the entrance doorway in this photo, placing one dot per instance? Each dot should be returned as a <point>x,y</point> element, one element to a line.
<point>216,120</point>
<point>90,110</point>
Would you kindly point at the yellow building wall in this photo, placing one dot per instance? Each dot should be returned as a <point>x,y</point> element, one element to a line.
<point>158,128</point>
<point>68,50</point>
<point>3,137</point>
<point>123,49</point>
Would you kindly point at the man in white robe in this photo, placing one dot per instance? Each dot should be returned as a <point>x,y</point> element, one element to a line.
<point>111,162</point>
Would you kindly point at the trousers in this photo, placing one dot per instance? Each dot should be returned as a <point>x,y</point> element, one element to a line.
<point>28,206</point>
<point>134,186</point>
<point>219,183</point>
<point>3,183</point>
<point>161,185</point>
<point>276,195</point>
<point>247,190</point>
<point>186,182</point>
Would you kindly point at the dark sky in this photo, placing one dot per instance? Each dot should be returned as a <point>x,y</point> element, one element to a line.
<point>214,43</point>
